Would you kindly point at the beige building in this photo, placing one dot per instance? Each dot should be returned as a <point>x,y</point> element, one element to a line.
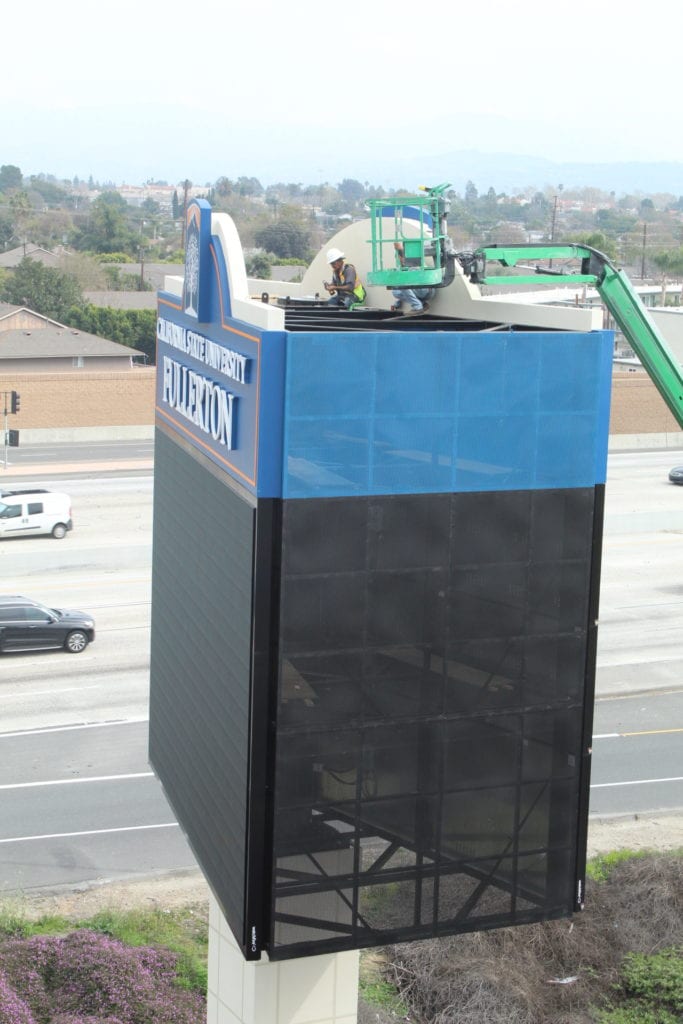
<point>73,385</point>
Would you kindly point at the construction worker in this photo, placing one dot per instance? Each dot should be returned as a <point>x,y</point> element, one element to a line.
<point>415,297</point>
<point>345,288</point>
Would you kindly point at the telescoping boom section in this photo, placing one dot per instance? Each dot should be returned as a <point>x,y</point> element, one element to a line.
<point>614,288</point>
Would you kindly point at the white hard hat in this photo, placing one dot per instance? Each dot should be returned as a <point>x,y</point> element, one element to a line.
<point>334,254</point>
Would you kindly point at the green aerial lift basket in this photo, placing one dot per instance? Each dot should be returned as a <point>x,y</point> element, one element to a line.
<point>395,222</point>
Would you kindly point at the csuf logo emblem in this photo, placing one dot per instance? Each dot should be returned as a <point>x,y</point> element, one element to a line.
<point>192,273</point>
<point>254,943</point>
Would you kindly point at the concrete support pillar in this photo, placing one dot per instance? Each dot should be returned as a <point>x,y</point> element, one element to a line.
<point>310,990</point>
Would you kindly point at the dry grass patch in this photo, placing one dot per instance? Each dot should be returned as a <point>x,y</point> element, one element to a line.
<point>559,971</point>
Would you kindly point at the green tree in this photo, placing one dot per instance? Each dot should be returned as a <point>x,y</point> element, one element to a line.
<point>272,200</point>
<point>48,228</point>
<point>352,191</point>
<point>284,238</point>
<point>6,227</point>
<point>107,227</point>
<point>20,211</point>
<point>539,207</point>
<point>50,193</point>
<point>506,234</point>
<point>614,223</point>
<point>471,194</point>
<point>259,266</point>
<point>249,187</point>
<point>86,270</point>
<point>596,240</point>
<point>10,178</point>
<point>114,257</point>
<point>491,200</point>
<point>150,206</point>
<point>224,187</point>
<point>143,325</point>
<point>135,328</point>
<point>41,289</point>
<point>670,262</point>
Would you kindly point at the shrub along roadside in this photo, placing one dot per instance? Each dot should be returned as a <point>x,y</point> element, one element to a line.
<point>134,967</point>
<point>183,932</point>
<point>87,976</point>
<point>650,989</point>
<point>619,962</point>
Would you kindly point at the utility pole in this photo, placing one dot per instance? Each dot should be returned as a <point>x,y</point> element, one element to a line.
<point>554,217</point>
<point>4,425</point>
<point>10,437</point>
<point>187,185</point>
<point>642,256</point>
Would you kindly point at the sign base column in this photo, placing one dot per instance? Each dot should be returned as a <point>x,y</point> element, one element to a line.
<point>310,990</point>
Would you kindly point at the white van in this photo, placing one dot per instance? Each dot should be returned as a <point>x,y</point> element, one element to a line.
<point>24,513</point>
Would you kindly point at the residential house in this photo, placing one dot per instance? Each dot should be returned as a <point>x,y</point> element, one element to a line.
<point>11,259</point>
<point>73,385</point>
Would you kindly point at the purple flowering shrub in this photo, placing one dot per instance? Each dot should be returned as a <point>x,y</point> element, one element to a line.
<point>13,1010</point>
<point>89,978</point>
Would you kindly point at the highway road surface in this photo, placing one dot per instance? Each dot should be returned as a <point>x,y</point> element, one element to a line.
<point>78,802</point>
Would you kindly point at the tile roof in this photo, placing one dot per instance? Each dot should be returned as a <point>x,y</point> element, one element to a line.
<point>13,257</point>
<point>55,341</point>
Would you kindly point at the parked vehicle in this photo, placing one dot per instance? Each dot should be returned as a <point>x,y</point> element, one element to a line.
<point>27,625</point>
<point>676,475</point>
<point>25,513</point>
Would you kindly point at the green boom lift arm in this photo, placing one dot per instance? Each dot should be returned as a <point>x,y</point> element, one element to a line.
<point>614,288</point>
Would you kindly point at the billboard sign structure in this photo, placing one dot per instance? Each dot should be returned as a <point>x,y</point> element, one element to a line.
<point>374,605</point>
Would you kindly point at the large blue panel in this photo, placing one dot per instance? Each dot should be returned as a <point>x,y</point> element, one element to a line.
<point>399,465</point>
<point>498,374</point>
<point>333,368</point>
<point>398,413</point>
<point>495,453</point>
<point>415,375</point>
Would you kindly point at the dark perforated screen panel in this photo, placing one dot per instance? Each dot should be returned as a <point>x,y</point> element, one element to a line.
<point>435,657</point>
<point>200,658</point>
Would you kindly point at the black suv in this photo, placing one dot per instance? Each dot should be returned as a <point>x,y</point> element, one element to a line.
<point>26,625</point>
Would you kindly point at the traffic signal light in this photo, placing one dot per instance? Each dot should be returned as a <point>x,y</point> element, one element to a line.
<point>13,438</point>
<point>15,402</point>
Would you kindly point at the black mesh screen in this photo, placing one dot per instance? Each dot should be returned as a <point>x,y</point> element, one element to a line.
<point>433,667</point>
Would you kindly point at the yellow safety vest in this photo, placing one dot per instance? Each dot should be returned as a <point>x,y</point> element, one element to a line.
<point>359,290</point>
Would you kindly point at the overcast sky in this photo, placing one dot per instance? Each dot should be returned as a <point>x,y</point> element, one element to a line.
<point>312,91</point>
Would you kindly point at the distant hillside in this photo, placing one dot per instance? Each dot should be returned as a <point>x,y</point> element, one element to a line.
<point>506,172</point>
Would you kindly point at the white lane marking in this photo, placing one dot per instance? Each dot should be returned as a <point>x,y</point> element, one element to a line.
<point>49,729</point>
<point>639,732</point>
<point>71,782</point>
<point>91,832</point>
<point>635,782</point>
<point>49,693</point>
<point>641,695</point>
